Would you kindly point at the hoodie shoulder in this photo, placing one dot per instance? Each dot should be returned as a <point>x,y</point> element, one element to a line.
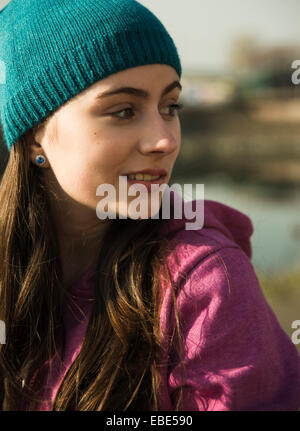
<point>223,226</point>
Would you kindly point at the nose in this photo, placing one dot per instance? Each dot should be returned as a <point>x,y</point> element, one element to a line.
<point>160,135</point>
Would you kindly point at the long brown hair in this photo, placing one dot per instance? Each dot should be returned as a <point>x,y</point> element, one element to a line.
<point>118,365</point>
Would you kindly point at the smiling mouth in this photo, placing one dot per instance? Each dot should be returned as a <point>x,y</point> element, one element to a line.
<point>147,179</point>
<point>148,183</point>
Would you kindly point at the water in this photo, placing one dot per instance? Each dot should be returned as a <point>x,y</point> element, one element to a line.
<point>276,237</point>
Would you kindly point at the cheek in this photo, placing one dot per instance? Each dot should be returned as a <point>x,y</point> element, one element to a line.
<point>112,146</point>
<point>85,157</point>
<point>111,154</point>
<point>85,170</point>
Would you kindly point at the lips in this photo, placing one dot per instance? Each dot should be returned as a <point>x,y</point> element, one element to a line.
<point>150,171</point>
<point>147,183</point>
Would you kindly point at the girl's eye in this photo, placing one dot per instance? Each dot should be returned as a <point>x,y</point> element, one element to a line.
<point>116,114</point>
<point>174,107</point>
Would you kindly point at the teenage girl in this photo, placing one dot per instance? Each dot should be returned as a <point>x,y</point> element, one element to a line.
<point>118,313</point>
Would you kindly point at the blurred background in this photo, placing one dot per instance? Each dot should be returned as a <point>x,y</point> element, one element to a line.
<point>241,125</point>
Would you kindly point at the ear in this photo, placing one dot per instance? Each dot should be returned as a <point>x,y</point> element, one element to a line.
<point>34,147</point>
<point>38,132</point>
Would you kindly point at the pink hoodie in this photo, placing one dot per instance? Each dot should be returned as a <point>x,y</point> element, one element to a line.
<point>236,354</point>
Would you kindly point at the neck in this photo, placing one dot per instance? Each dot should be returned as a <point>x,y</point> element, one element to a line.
<point>78,230</point>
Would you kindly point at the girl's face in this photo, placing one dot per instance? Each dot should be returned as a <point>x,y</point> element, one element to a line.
<point>95,138</point>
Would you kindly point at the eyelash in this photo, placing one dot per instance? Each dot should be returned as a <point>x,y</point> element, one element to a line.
<point>176,106</point>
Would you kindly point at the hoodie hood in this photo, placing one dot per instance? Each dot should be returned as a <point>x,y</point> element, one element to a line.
<point>232,223</point>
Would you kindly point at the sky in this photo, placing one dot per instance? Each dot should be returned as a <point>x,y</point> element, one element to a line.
<point>203,30</point>
<point>3,3</point>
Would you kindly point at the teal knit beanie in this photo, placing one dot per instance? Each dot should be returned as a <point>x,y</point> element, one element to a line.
<point>51,50</point>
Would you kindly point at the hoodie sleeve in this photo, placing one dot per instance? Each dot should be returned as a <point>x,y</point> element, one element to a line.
<point>236,355</point>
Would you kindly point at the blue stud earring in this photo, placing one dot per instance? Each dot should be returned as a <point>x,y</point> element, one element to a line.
<point>40,159</point>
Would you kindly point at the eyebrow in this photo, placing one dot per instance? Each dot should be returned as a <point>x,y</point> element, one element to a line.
<point>138,91</point>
